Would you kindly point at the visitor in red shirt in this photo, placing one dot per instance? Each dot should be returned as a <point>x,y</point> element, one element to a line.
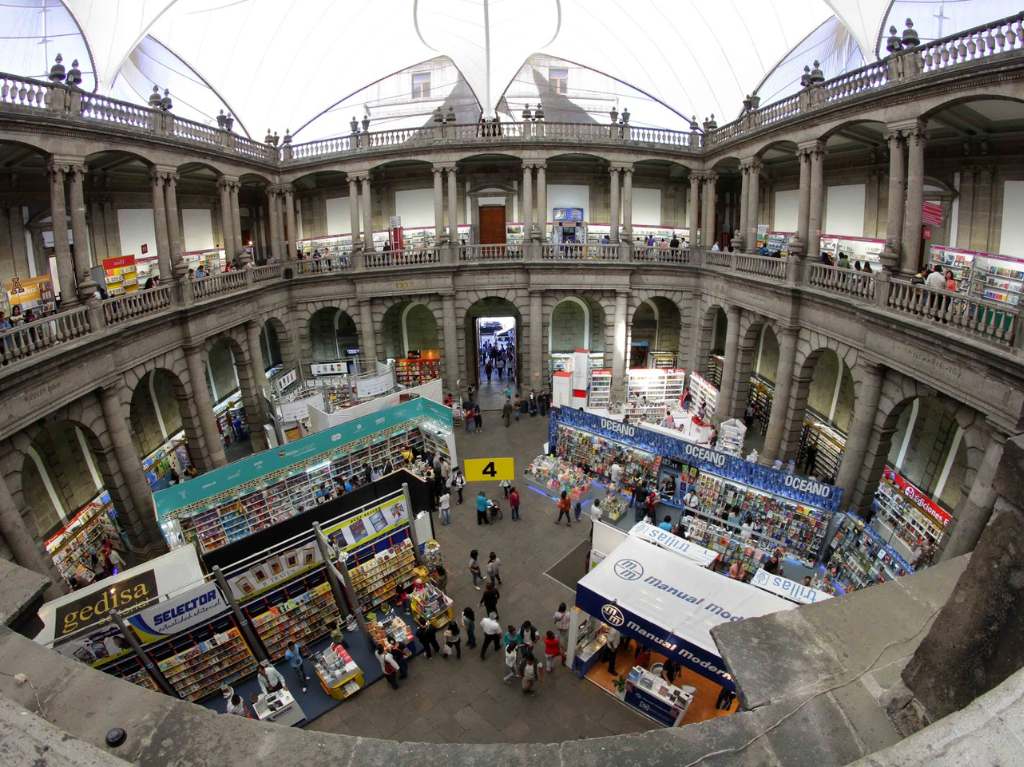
<point>552,650</point>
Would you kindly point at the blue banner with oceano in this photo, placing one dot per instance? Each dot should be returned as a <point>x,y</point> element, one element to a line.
<point>801,489</point>
<point>251,472</point>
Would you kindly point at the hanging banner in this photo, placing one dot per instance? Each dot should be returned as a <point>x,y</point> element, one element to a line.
<point>801,489</point>
<point>787,589</point>
<point>672,542</point>
<point>273,569</point>
<point>285,380</point>
<point>178,613</point>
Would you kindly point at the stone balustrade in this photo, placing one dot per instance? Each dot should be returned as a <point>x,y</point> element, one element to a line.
<point>30,338</point>
<point>768,267</point>
<point>218,284</point>
<point>132,305</point>
<point>414,256</point>
<point>577,252</point>
<point>491,253</point>
<point>266,272</point>
<point>334,263</point>
<point>990,321</point>
<point>847,282</point>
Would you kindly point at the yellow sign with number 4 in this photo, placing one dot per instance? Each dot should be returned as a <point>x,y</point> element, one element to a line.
<point>489,469</point>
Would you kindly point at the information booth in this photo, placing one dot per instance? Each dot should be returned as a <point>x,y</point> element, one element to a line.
<point>666,604</point>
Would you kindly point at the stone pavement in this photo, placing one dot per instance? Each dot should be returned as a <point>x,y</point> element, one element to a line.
<point>465,701</point>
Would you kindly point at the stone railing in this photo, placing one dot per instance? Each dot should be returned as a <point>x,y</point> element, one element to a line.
<point>216,284</point>
<point>138,304</point>
<point>656,255</point>
<point>31,338</point>
<point>719,258</point>
<point>386,259</point>
<point>266,272</point>
<point>981,42</point>
<point>761,266</point>
<point>848,282</point>
<point>479,253</point>
<point>994,322</point>
<point>95,107</point>
<point>20,92</point>
<point>573,252</point>
<point>334,263</point>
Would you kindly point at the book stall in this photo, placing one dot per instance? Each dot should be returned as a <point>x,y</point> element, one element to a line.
<point>703,394</point>
<point>907,517</point>
<point>990,276</point>
<point>556,474</point>
<point>427,601</point>
<point>70,547</point>
<point>860,558</point>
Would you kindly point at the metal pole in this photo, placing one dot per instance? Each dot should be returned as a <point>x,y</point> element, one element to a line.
<point>337,576</point>
<point>252,637</point>
<point>410,514</point>
<point>133,641</point>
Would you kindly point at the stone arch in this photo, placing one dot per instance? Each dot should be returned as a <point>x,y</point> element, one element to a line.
<point>751,327</point>
<point>329,328</point>
<point>574,313</point>
<point>713,327</point>
<point>159,407</point>
<point>474,304</point>
<point>409,324</point>
<point>276,342</point>
<point>656,320</point>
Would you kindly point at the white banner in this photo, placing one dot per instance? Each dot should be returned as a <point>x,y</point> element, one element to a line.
<point>329,368</point>
<point>299,409</point>
<point>373,385</point>
<point>675,544</point>
<point>787,589</point>
<point>178,613</point>
<point>285,380</point>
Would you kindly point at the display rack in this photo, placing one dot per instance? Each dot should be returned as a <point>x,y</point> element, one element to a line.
<point>378,578</point>
<point>704,394</point>
<point>597,454</point>
<point>413,371</point>
<point>830,444</point>
<point>340,676</point>
<point>716,364</point>
<point>600,392</point>
<point>83,534</point>
<point>762,392</point>
<point>301,610</point>
<point>130,669</point>
<point>287,497</point>
<point>655,387</point>
<point>717,536</point>
<point>197,662</point>
<point>431,604</point>
<point>999,282</point>
<point>861,557</point>
<point>910,514</point>
<point>959,262</point>
<point>120,275</point>
<point>663,360</point>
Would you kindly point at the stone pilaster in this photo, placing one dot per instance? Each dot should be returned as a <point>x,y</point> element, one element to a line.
<point>910,258</point>
<point>619,350</point>
<point>815,210</point>
<point>204,407</point>
<point>61,248</point>
<point>22,543</point>
<point>780,403</point>
<point>975,508</point>
<point>869,378</point>
<point>451,351</point>
<point>367,333</point>
<point>732,339</point>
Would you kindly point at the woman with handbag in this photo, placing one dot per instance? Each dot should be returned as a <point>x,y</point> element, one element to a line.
<point>452,640</point>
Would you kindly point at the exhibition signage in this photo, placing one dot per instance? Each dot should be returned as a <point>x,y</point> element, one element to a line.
<point>368,525</point>
<point>642,591</point>
<point>374,384</point>
<point>787,589</point>
<point>672,542</point>
<point>124,596</point>
<point>801,489</point>
<point>917,497</point>
<point>178,613</point>
<point>285,380</point>
<point>266,468</point>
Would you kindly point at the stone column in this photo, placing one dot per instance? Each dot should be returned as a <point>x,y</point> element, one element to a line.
<point>274,210</point>
<point>115,413</point>
<point>367,333</point>
<point>174,235</point>
<point>814,211</point>
<point>80,231</point>
<point>613,206</point>
<point>975,508</point>
<point>744,205</point>
<point>619,350</point>
<point>453,206</point>
<point>16,228</point>
<point>259,370</point>
<point>22,543</point>
<point>252,399</point>
<point>803,215</point>
<point>710,182</point>
<point>527,202</point>
<point>204,407</point>
<point>293,227</point>
<point>438,203</point>
<point>542,201</point>
<point>367,208</point>
<point>869,379</point>
<point>732,343</point>
<point>224,187</point>
<point>627,204</point>
<point>754,203</point>
<point>897,190</point>
<point>780,401</point>
<point>536,342</point>
<point>236,221</point>
<point>163,246</point>
<point>353,210</point>
<point>451,344</point>
<point>693,209</point>
<point>910,258</point>
<point>61,248</point>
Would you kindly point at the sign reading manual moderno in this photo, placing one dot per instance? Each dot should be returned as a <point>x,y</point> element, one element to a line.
<point>801,489</point>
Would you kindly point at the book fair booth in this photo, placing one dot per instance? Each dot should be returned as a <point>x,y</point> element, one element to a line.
<point>661,605</point>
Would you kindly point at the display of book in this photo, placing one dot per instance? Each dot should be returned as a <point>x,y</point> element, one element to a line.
<point>762,392</point>
<point>378,578</point>
<point>214,655</point>
<point>600,392</point>
<point>861,557</point>
<point>302,610</point>
<point>703,394</point>
<point>71,546</point>
<point>416,371</point>
<point>828,445</point>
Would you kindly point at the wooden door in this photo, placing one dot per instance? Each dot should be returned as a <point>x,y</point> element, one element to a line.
<point>492,224</point>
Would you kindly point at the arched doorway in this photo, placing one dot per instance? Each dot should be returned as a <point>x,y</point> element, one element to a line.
<point>654,334</point>
<point>333,335</point>
<point>412,338</point>
<point>158,427</point>
<point>492,333</point>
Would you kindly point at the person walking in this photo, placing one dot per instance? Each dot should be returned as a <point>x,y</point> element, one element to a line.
<point>527,639</point>
<point>529,674</point>
<point>269,678</point>
<point>494,569</point>
<point>488,369</point>
<point>489,599</point>
<point>511,656</point>
<point>552,650</point>
<point>401,654</point>
<point>295,660</point>
<point>511,636</point>
<point>505,486</point>
<point>474,568</point>
<point>725,697</point>
<point>492,634</point>
<point>481,508</point>
<point>506,412</point>
<point>564,505</point>
<point>427,635</point>
<point>469,626</point>
<point>444,507</point>
<point>452,640</point>
<point>562,620</point>
<point>456,482</point>
<point>478,418</point>
<point>513,502</point>
<point>611,648</point>
<point>388,665</point>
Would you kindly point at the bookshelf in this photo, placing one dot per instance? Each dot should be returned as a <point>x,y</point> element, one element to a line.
<point>762,392</point>
<point>703,393</point>
<point>302,609</point>
<point>414,371</point>
<point>861,557</point>
<point>378,577</point>
<point>130,669</point>
<point>830,444</point>
<point>716,364</point>
<point>84,534</point>
<point>908,512</point>
<point>600,393</point>
<point>120,275</point>
<point>198,661</point>
<point>597,454</point>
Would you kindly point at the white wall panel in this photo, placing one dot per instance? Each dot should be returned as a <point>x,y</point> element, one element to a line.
<point>844,210</point>
<point>197,225</point>
<point>338,219</point>
<point>415,206</point>
<point>569,196</point>
<point>646,206</point>
<point>787,210</point>
<point>1011,239</point>
<point>136,229</point>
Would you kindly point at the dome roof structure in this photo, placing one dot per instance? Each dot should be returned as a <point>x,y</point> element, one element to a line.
<point>311,65</point>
